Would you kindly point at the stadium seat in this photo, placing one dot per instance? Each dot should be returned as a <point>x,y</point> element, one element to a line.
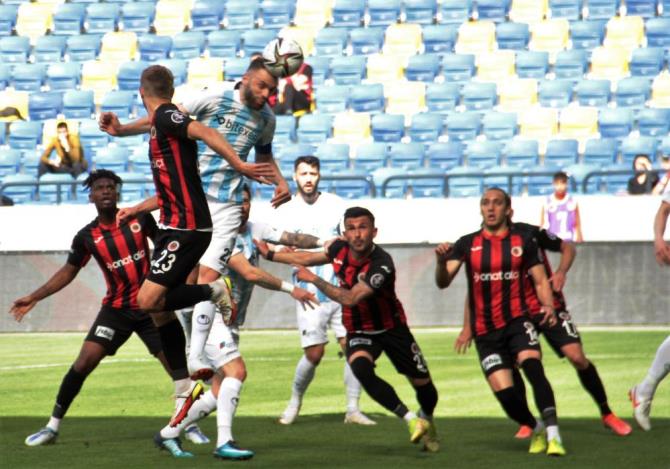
<point>370,157</point>
<point>303,35</point>
<point>98,76</point>
<point>438,39</point>
<point>463,126</point>
<point>609,63</point>
<point>383,12</point>
<point>660,90</point>
<point>569,9</point>
<point>406,98</point>
<point>617,183</point>
<point>493,10</point>
<point>495,66</point>
<point>276,14</point>
<point>233,69</point>
<point>642,8</point>
<point>10,161</point>
<point>658,32</point>
<point>49,49</point>
<point>426,127</point>
<point>633,146</point>
<point>402,40</point>
<point>51,192</point>
<point>499,176</point>
<point>561,153</point>
<point>333,99</point>
<point>68,19</point>
<point>423,67</point>
<point>522,153</point>
<point>34,20</point>
<point>207,15</point>
<point>172,16</point>
<point>601,9</point>
<point>517,94</point>
<point>455,12</point>
<point>406,155</point>
<point>101,17</point>
<point>78,104</point>
<point>483,154</point>
<point>593,92</point>
<point>112,158</point>
<point>314,128</point>
<point>285,130</point>
<point>445,155</point>
<point>625,32</point>
<point>178,69</point>
<point>579,123</point>
<point>334,156</point>
<point>29,77</point>
<point>330,42</point>
<point>540,179</point>
<point>420,11</point>
<point>20,194</point>
<point>512,35</point>
<point>432,184</point>
<point>464,182</point>
<point>388,127</point>
<point>587,34</point>
<point>5,76</point>
<point>579,172</point>
<point>255,40</point>
<point>83,47</point>
<point>550,35</point>
<point>366,40</point>
<point>600,152</point>
<point>367,98</point>
<point>647,62</point>
<point>25,135</point>
<point>289,153</point>
<point>154,47</point>
<point>352,188</point>
<point>476,37</point>
<point>442,97</point>
<point>571,64</point>
<point>91,137</point>
<point>118,47</point>
<point>45,105</point>
<point>653,122</point>
<point>188,45</point>
<point>352,128</point>
<point>118,102</point>
<point>348,70</point>
<point>632,92</point>
<point>381,68</point>
<point>664,146</point>
<point>386,186</point>
<point>532,64</point>
<point>224,43</point>
<point>202,72</point>
<point>14,49</point>
<point>458,68</point>
<point>499,126</point>
<point>539,123</point>
<point>8,14</point>
<point>615,123</point>
<point>137,16</point>
<point>479,96</point>
<point>313,14</point>
<point>348,13</point>
<point>128,76</point>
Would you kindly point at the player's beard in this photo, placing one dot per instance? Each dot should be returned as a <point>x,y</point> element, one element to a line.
<point>251,100</point>
<point>312,194</point>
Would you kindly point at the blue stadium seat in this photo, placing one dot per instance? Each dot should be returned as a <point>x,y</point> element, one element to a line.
<point>137,16</point>
<point>633,92</point>
<point>383,12</point>
<point>600,151</point>
<point>442,97</point>
<point>540,179</point>
<point>128,77</point>
<point>81,48</point>
<point>568,9</point>
<point>439,39</point>
<point>206,15</point>
<point>188,45</point>
<point>112,158</point>
<point>276,14</point>
<point>3,132</point>
<point>20,194</point>
<point>445,155</point>
<point>348,13</point>
<point>224,43</point>
<point>498,176</point>
<point>455,11</point>
<point>633,146</point>
<point>463,126</point>
<point>30,161</point>
<point>463,183</point>
<point>653,122</point>
<point>561,153</point>
<point>493,10</point>
<point>255,40</point>
<point>78,104</point>
<point>10,161</point>
<point>587,34</point>
<point>177,67</point>
<point>49,188</point>
<point>14,49</point>
<point>665,6</point>
<point>49,49</point>
<point>601,9</point>
<point>29,77</point>
<point>422,67</point>
<point>101,17</point>
<point>334,157</point>
<point>499,126</point>
<point>578,172</point>
<point>140,164</point>
<point>130,191</point>
<point>370,156</point>
<point>512,35</point>
<point>395,188</point>
<point>118,102</point>
<point>658,32</point>
<point>332,99</point>
<point>366,40</point>
<point>387,127</point>
<point>25,135</point>
<point>351,188</point>
<point>235,67</point>
<point>320,69</point>
<point>8,14</point>
<point>63,76</point>
<point>5,76</point>
<point>426,127</point>
<point>555,93</point>
<point>479,96</point>
<point>68,19</point>
<point>153,48</point>
<point>240,14</point>
<point>330,42</point>
<point>432,185</point>
<point>406,155</point>
<point>284,130</point>
<point>593,92</point>
<point>289,153</point>
<point>420,11</point>
<point>617,183</point>
<point>348,70</point>
<point>571,64</point>
<point>483,154</point>
<point>615,123</point>
<point>643,8</point>
<point>664,147</point>
<point>458,68</point>
<point>522,153</point>
<point>532,64</point>
<point>367,98</point>
<point>647,61</point>
<point>45,105</point>
<point>314,128</point>
<point>91,136</point>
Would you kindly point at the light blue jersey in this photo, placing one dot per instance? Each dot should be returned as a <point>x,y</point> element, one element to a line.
<point>243,127</point>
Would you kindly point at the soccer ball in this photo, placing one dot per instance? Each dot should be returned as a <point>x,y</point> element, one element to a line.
<point>282,57</point>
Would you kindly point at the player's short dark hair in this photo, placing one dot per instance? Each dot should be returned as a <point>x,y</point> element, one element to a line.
<point>157,81</point>
<point>247,189</point>
<point>308,160</point>
<point>257,64</point>
<point>560,176</point>
<point>355,212</point>
<point>255,56</point>
<point>101,174</point>
<point>506,196</point>
<point>61,125</point>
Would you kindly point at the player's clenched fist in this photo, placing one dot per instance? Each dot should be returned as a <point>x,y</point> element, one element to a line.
<point>109,123</point>
<point>442,251</point>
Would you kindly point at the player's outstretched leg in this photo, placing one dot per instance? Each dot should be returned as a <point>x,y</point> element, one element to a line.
<point>353,389</point>
<point>524,432</point>
<point>199,410</point>
<point>226,406</point>
<point>642,394</point>
<point>304,374</point>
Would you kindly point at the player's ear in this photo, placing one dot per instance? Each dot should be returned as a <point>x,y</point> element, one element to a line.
<point>374,232</point>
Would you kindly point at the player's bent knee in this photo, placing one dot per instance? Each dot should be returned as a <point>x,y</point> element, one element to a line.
<point>315,354</point>
<point>363,368</point>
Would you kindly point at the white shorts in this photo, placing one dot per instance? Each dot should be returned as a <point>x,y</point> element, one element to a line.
<point>313,323</point>
<point>222,344</point>
<point>226,220</point>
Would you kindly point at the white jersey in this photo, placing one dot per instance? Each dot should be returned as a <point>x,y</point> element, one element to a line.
<point>243,127</point>
<point>321,219</point>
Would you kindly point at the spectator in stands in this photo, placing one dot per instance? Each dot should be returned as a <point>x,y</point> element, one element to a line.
<point>294,94</point>
<point>69,157</point>
<point>663,183</point>
<point>560,212</point>
<point>644,179</point>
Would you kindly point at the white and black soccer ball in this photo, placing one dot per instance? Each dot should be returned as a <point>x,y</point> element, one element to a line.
<point>282,57</point>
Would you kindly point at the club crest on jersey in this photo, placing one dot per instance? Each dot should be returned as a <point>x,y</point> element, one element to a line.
<point>517,251</point>
<point>173,246</point>
<point>377,280</point>
<point>176,117</point>
<point>135,227</point>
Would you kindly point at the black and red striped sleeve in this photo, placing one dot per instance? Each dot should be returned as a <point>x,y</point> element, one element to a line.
<point>79,253</point>
<point>531,253</point>
<point>459,250</point>
<point>548,241</point>
<point>380,273</point>
<point>149,226</point>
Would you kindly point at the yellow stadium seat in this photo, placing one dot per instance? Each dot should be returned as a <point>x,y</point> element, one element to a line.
<point>313,14</point>
<point>516,95</point>
<point>660,91</point>
<point>539,123</point>
<point>626,32</point>
<point>204,71</point>
<point>384,68</point>
<point>609,63</point>
<point>475,37</point>
<point>528,11</point>
<point>403,39</point>
<point>579,123</point>
<point>302,35</point>
<point>118,47</point>
<point>550,35</point>
<point>98,76</point>
<point>405,97</point>
<point>15,99</point>
<point>172,16</point>
<point>34,19</point>
<point>352,128</point>
<point>495,66</point>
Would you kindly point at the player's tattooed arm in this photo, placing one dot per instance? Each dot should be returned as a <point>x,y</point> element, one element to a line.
<point>297,257</point>
<point>544,293</point>
<point>300,240</point>
<point>58,281</point>
<point>345,297</point>
<point>110,123</point>
<point>146,206</point>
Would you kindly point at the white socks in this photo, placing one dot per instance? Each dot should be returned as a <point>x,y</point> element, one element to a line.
<point>552,433</point>
<point>304,374</point>
<point>182,386</point>
<point>54,423</point>
<point>353,389</point>
<point>226,405</point>
<point>659,369</point>
<point>409,416</point>
<point>185,316</point>
<point>203,316</point>
<point>199,410</point>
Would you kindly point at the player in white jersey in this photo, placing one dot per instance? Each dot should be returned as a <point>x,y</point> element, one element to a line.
<point>317,213</point>
<point>222,347</point>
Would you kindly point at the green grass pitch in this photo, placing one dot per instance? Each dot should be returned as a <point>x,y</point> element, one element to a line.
<point>127,399</point>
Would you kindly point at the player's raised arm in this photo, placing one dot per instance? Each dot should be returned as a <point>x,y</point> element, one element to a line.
<point>300,240</point>
<point>57,282</point>
<point>303,258</point>
<point>346,297</point>
<point>110,124</point>
<point>446,267</point>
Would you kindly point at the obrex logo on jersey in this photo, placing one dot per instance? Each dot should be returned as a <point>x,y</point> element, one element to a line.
<point>126,260</point>
<point>235,127</point>
<point>494,276</point>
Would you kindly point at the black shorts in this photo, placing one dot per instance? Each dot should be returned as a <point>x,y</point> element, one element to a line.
<point>399,345</point>
<point>498,349</point>
<point>175,255</point>
<point>564,332</point>
<point>113,326</point>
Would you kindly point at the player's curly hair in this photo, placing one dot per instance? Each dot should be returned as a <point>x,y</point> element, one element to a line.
<point>101,174</point>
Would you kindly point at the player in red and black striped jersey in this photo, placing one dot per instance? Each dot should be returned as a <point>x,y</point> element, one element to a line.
<point>500,261</point>
<point>373,317</point>
<point>563,336</point>
<point>122,252</point>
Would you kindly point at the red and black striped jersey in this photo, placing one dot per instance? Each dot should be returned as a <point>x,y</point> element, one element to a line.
<point>546,241</point>
<point>174,164</point>
<point>496,269</point>
<point>382,310</point>
<point>122,253</point>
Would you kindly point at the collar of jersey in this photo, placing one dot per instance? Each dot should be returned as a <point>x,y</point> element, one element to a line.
<point>488,235</point>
